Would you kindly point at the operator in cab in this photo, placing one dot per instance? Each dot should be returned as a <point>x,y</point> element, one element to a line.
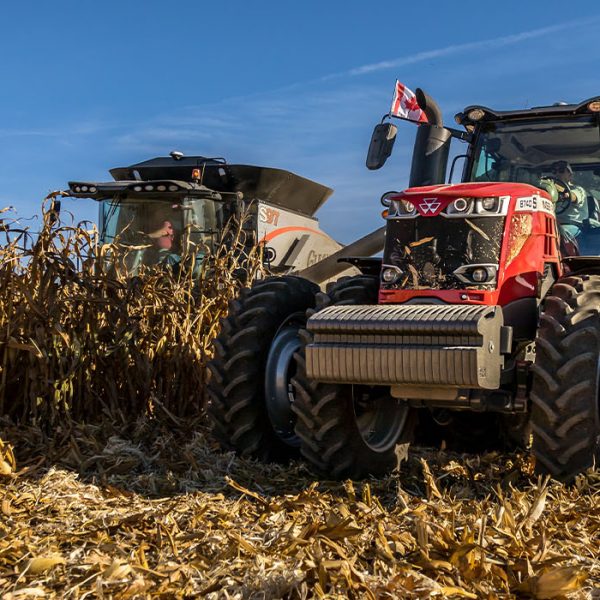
<point>572,206</point>
<point>161,251</point>
<point>578,228</point>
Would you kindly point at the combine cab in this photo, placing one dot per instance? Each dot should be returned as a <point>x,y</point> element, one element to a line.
<point>486,300</point>
<point>162,205</point>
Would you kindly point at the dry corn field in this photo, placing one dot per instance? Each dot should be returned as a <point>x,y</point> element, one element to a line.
<point>111,486</point>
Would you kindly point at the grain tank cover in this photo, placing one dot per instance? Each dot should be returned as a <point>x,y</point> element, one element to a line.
<point>275,186</point>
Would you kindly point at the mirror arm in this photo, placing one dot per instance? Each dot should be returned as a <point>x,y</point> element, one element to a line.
<point>465,136</point>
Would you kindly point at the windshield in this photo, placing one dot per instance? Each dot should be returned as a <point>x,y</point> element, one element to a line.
<point>548,154</point>
<point>159,230</point>
<point>526,150</point>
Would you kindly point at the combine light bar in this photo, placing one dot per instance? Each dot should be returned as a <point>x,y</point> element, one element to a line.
<point>154,187</point>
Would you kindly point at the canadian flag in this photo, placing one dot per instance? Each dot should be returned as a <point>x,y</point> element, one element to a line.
<point>405,105</point>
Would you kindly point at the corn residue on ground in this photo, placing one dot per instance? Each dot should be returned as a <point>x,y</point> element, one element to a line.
<point>176,518</point>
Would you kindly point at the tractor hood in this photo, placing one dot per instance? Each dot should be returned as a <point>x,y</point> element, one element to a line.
<point>275,186</point>
<point>474,189</point>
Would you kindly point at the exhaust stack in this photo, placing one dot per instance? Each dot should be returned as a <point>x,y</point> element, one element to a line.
<point>432,145</point>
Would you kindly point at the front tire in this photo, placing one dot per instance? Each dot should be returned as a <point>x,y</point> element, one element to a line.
<point>349,431</point>
<point>249,388</point>
<point>565,419</point>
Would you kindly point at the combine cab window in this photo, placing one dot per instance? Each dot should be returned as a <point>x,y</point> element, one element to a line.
<point>527,151</point>
<point>158,231</point>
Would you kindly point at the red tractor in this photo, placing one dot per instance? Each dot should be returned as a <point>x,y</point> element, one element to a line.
<point>485,308</point>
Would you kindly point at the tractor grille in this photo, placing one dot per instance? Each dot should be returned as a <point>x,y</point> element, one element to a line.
<point>428,250</point>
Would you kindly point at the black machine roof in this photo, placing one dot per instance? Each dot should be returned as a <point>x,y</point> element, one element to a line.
<point>276,186</point>
<point>556,110</point>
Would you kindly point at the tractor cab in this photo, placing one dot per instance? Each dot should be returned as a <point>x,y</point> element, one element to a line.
<point>554,148</point>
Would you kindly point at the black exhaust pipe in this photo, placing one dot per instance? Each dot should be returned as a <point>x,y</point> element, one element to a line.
<point>430,107</point>
<point>432,145</point>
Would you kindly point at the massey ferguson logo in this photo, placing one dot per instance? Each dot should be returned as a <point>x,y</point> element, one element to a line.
<point>429,205</point>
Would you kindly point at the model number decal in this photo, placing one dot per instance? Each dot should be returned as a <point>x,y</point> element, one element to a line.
<point>534,204</point>
<point>268,215</point>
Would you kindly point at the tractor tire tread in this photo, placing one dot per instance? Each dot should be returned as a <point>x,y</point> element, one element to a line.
<point>565,409</point>
<point>330,440</point>
<point>236,405</point>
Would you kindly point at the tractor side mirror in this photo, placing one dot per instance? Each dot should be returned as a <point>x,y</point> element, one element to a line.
<point>380,148</point>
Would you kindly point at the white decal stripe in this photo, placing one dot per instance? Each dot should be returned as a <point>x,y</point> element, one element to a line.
<point>534,204</point>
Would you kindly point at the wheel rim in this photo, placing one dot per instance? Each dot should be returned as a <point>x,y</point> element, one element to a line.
<point>380,418</point>
<point>279,371</point>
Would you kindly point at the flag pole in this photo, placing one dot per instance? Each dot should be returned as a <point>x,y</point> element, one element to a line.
<point>393,98</point>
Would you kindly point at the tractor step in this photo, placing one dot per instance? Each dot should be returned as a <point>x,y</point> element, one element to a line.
<point>416,344</point>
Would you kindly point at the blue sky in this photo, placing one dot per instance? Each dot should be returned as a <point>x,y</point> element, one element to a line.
<point>87,86</point>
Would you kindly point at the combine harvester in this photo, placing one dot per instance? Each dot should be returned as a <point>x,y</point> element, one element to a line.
<point>162,205</point>
<point>487,300</point>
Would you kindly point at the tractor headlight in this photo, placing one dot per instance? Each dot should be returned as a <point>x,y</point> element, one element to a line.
<point>402,208</point>
<point>490,205</point>
<point>487,206</point>
<point>390,274</point>
<point>137,188</point>
<point>460,207</point>
<point>479,275</point>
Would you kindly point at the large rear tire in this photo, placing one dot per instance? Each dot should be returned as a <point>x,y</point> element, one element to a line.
<point>349,431</point>
<point>249,388</point>
<point>565,419</point>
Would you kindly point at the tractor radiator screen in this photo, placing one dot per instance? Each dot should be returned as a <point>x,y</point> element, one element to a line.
<point>428,251</point>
